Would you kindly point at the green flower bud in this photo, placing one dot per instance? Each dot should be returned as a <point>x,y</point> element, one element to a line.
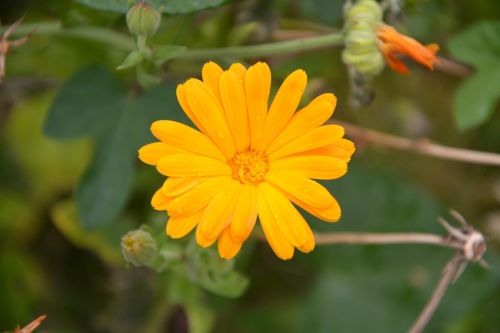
<point>361,44</point>
<point>143,19</point>
<point>139,248</point>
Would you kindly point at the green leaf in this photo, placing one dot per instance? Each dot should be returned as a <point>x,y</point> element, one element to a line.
<point>479,45</point>
<point>105,187</point>
<point>49,166</point>
<point>133,59</point>
<point>167,52</point>
<point>65,218</point>
<point>167,6</point>
<point>214,274</point>
<point>145,79</point>
<point>475,100</point>
<point>88,102</point>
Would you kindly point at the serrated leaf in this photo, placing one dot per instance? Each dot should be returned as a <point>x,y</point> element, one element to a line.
<point>167,52</point>
<point>475,100</point>
<point>133,59</point>
<point>88,101</point>
<point>167,6</point>
<point>479,45</point>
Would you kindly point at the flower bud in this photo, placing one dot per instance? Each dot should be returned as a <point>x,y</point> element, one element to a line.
<point>143,19</point>
<point>139,248</point>
<point>361,43</point>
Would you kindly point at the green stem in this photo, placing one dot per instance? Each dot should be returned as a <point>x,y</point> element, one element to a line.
<point>267,49</point>
<point>126,43</point>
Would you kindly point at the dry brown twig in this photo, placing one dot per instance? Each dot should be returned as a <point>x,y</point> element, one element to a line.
<point>6,45</point>
<point>421,146</point>
<point>31,326</point>
<point>469,244</point>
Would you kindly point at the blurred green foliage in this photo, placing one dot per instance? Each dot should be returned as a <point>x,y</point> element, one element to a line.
<point>71,185</point>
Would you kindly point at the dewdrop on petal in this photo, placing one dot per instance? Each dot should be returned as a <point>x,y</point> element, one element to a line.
<point>139,248</point>
<point>143,19</point>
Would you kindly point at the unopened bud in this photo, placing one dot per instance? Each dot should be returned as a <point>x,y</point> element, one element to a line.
<point>361,43</point>
<point>143,19</point>
<point>139,248</point>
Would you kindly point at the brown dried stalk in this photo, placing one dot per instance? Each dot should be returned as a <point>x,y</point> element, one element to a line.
<point>6,45</point>
<point>31,326</point>
<point>421,146</point>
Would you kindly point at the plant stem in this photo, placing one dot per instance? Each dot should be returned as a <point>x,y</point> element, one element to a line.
<point>384,238</point>
<point>262,50</point>
<point>421,146</point>
<point>448,276</point>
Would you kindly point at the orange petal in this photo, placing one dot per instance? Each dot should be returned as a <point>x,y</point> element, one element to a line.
<point>177,186</point>
<point>190,165</point>
<point>280,245</point>
<point>178,227</point>
<point>305,189</point>
<point>290,222</point>
<point>185,138</point>
<point>211,73</point>
<point>257,88</point>
<point>316,167</point>
<point>313,115</point>
<point>235,108</point>
<point>315,138</point>
<point>283,106</point>
<point>153,152</point>
<point>227,246</point>
<point>198,197</point>
<point>206,107</point>
<point>245,214</point>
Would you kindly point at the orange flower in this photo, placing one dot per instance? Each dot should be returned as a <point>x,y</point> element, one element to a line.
<point>247,160</point>
<point>392,44</point>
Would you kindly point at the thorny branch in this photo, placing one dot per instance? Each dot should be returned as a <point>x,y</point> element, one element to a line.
<point>421,146</point>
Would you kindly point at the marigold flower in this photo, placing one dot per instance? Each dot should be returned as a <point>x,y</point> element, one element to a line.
<point>247,160</point>
<point>393,44</point>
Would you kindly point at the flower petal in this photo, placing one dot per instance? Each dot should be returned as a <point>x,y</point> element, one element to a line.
<point>153,152</point>
<point>283,106</point>
<point>341,149</point>
<point>160,201</point>
<point>186,138</point>
<point>177,186</point>
<point>178,227</point>
<point>198,197</point>
<point>257,89</point>
<point>201,240</point>
<point>291,223</point>
<point>329,214</point>
<point>305,189</point>
<point>313,115</point>
<point>315,138</point>
<point>211,73</point>
<point>235,108</point>
<point>280,245</point>
<point>245,214</point>
<point>190,165</point>
<point>314,166</point>
<point>183,101</point>
<point>238,69</point>
<point>219,211</point>
<point>208,111</point>
<point>227,246</point>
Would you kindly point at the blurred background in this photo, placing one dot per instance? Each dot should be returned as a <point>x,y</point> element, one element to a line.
<point>56,261</point>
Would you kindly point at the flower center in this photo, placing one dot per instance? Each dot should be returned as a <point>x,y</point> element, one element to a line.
<point>249,167</point>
